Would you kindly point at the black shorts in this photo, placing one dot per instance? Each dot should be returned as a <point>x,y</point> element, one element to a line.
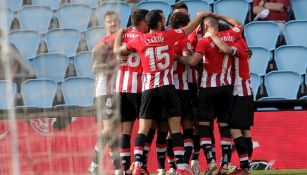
<point>242,113</point>
<point>129,106</point>
<point>186,106</point>
<point>160,103</point>
<point>106,107</point>
<point>215,102</point>
<point>193,94</point>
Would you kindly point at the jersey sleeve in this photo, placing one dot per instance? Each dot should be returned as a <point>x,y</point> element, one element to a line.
<point>202,45</point>
<point>239,49</point>
<point>236,32</point>
<point>133,45</point>
<point>186,45</point>
<point>175,34</point>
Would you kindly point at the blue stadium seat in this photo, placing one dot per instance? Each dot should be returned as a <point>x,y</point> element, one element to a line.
<point>7,17</point>
<point>262,34</point>
<point>91,3</point>
<point>196,6</point>
<point>64,41</point>
<point>26,41</point>
<point>35,18</point>
<point>291,58</point>
<point>236,9</point>
<point>4,97</point>
<point>295,33</point>
<point>53,4</point>
<point>78,91</point>
<point>255,81</point>
<point>74,16</point>
<point>299,9</point>
<point>259,60</point>
<point>14,5</point>
<point>83,64</point>
<point>168,1</point>
<point>38,93</point>
<point>123,10</point>
<point>50,66</point>
<point>93,35</point>
<point>153,5</point>
<point>282,84</point>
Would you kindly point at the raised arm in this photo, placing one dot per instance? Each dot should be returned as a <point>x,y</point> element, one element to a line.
<point>229,20</point>
<point>194,23</point>
<point>119,48</point>
<point>221,44</point>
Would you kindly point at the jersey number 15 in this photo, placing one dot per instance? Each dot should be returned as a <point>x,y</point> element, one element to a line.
<point>158,58</point>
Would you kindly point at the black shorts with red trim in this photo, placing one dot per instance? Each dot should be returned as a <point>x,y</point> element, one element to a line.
<point>215,102</point>
<point>106,107</point>
<point>242,113</point>
<point>160,103</point>
<point>186,105</point>
<point>130,104</point>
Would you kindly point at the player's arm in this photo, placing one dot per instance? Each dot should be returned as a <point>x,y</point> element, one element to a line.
<point>99,55</point>
<point>119,48</point>
<point>228,20</point>
<point>221,44</point>
<point>194,23</point>
<point>190,60</point>
<point>258,8</point>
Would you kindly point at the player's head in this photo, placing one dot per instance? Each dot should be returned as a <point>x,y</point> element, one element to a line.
<point>178,20</point>
<point>111,21</point>
<point>138,19</point>
<point>211,22</point>
<point>155,20</point>
<point>223,27</point>
<point>180,7</point>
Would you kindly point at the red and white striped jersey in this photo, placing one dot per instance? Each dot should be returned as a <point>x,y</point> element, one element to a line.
<point>129,77</point>
<point>242,83</point>
<point>193,39</point>
<point>157,56</point>
<point>181,70</point>
<point>217,65</point>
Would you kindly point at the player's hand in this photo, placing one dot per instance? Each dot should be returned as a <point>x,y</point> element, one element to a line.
<point>203,14</point>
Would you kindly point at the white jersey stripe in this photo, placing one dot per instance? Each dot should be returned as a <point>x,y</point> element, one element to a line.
<point>134,82</point>
<point>125,82</point>
<point>213,80</point>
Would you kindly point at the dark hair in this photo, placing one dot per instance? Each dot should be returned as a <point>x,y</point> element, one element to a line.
<point>223,27</point>
<point>178,20</point>
<point>180,5</point>
<point>153,18</point>
<point>109,13</point>
<point>137,16</point>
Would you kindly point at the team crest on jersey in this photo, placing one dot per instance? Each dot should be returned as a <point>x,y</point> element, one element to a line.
<point>189,46</point>
<point>178,30</point>
<point>235,29</point>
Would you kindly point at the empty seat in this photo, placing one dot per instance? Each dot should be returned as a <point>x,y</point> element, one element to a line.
<point>299,9</point>
<point>236,9</point>
<point>38,93</point>
<point>295,32</point>
<point>122,9</point>
<point>262,34</point>
<point>83,64</point>
<point>78,91</point>
<point>64,41</point>
<point>255,81</point>
<point>53,4</point>
<point>259,60</point>
<point>14,5</point>
<point>282,84</point>
<point>91,3</point>
<point>154,5</point>
<point>26,41</point>
<point>50,66</point>
<point>74,16</point>
<point>196,6</point>
<point>35,18</point>
<point>5,96</point>
<point>93,35</point>
<point>168,1</point>
<point>6,19</point>
<point>292,58</point>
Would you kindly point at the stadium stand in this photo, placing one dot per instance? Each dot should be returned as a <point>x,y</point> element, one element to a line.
<point>50,66</point>
<point>83,64</point>
<point>259,60</point>
<point>299,9</point>
<point>234,8</point>
<point>53,4</point>
<point>14,5</point>
<point>196,6</point>
<point>152,5</point>
<point>291,58</point>
<point>26,41</point>
<point>78,91</point>
<point>294,34</point>
<point>262,34</point>
<point>91,3</point>
<point>74,16</point>
<point>93,35</point>
<point>124,9</point>
<point>30,20</point>
<point>255,81</point>
<point>64,41</point>
<point>38,93</point>
<point>5,23</point>
<point>4,84</point>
